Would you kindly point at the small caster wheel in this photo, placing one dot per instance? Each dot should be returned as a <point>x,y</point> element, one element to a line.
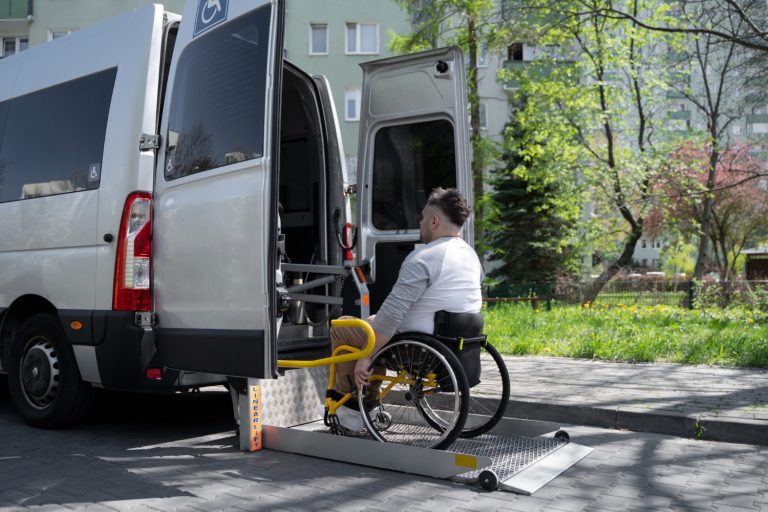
<point>562,435</point>
<point>488,480</point>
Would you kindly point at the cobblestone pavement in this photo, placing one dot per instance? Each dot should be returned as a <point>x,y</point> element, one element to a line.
<point>176,453</point>
<point>730,403</point>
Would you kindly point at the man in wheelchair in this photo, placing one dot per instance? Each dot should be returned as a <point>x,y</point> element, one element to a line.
<point>443,275</point>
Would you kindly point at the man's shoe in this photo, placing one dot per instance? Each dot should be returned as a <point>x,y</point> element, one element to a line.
<point>350,420</point>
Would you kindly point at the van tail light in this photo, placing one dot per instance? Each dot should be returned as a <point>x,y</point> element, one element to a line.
<point>133,266</point>
<point>348,256</point>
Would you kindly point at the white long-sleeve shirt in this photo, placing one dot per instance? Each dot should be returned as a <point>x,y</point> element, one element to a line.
<point>444,274</point>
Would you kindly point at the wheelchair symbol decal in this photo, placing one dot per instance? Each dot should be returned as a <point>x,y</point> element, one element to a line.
<point>209,14</point>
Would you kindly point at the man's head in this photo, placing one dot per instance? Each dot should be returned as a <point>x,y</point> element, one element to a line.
<point>444,214</point>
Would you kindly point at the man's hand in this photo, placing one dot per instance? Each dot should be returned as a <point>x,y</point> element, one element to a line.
<point>363,370</point>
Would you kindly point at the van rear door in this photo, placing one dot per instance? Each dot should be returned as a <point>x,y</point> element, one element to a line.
<point>215,214</point>
<point>414,136</point>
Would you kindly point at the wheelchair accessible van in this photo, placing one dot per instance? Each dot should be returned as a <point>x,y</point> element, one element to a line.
<point>435,405</point>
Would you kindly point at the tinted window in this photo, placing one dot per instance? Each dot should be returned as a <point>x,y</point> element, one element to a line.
<point>408,162</point>
<point>54,138</point>
<point>217,107</point>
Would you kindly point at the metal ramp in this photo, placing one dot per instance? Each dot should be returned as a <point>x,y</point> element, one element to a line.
<point>517,455</point>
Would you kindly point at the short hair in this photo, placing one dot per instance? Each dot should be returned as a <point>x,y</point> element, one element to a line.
<point>451,203</point>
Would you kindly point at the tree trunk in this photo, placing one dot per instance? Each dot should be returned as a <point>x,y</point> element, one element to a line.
<point>624,259</point>
<point>706,217</point>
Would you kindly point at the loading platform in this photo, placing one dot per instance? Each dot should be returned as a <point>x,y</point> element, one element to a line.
<point>519,456</point>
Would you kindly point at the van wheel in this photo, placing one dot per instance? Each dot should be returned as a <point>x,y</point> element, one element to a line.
<point>43,379</point>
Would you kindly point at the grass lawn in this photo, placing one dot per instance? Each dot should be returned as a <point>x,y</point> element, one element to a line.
<point>732,337</point>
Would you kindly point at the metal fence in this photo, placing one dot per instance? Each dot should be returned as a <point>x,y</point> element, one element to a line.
<point>641,292</point>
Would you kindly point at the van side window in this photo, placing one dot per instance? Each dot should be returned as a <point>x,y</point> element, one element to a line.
<point>408,162</point>
<point>54,138</point>
<point>218,101</point>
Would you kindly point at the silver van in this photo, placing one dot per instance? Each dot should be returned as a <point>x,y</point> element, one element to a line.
<point>174,204</point>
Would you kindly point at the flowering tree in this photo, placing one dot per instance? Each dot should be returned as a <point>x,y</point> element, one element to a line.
<point>737,197</point>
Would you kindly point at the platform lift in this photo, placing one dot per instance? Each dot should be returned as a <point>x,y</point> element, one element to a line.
<point>286,414</point>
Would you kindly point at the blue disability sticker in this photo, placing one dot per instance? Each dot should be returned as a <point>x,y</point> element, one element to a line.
<point>209,14</point>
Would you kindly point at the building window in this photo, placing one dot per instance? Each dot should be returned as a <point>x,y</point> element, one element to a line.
<point>11,45</point>
<point>482,56</point>
<point>515,52</point>
<point>644,244</point>
<point>483,116</point>
<point>362,38</point>
<point>352,105</point>
<point>318,39</point>
<point>55,34</point>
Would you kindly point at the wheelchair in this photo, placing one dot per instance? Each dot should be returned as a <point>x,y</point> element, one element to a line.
<point>427,390</point>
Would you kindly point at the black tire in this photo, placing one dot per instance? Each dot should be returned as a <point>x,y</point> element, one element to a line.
<point>488,400</point>
<point>43,378</point>
<point>410,409</point>
<point>488,480</point>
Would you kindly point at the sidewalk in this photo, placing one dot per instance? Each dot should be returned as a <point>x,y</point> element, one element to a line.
<point>719,404</point>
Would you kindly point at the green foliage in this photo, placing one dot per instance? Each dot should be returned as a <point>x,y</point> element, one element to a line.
<point>678,256</point>
<point>731,337</point>
<point>531,222</point>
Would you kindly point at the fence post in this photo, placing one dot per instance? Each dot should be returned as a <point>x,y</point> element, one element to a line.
<point>691,294</point>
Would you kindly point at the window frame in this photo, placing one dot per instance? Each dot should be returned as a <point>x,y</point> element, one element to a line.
<point>358,38</point>
<point>357,96</point>
<point>17,41</point>
<point>312,26</point>
<point>63,33</point>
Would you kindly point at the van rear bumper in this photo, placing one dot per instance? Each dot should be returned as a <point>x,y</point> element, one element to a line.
<point>121,361</point>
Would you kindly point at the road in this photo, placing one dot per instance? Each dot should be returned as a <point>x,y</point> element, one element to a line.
<point>178,453</point>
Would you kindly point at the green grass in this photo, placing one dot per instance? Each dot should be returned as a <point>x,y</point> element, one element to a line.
<point>730,337</point>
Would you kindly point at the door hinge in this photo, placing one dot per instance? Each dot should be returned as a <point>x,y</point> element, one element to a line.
<point>149,142</point>
<point>146,319</point>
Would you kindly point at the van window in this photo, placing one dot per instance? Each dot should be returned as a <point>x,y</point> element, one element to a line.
<point>218,101</point>
<point>408,162</point>
<point>54,138</point>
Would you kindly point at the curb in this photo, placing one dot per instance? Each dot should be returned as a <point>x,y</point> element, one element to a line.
<point>728,430</point>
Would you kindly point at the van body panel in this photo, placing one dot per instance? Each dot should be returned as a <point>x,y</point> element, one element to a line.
<point>410,105</point>
<point>63,234</point>
<point>215,229</point>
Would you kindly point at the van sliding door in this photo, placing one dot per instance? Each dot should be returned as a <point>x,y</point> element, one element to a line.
<point>215,212</point>
<point>414,136</point>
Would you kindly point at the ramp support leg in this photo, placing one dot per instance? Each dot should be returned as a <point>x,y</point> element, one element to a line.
<point>247,406</point>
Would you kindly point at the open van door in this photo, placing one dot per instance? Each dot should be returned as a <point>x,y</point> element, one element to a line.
<point>215,200</point>
<point>414,136</point>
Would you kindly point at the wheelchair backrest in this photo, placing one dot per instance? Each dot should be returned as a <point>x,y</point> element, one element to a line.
<point>458,325</point>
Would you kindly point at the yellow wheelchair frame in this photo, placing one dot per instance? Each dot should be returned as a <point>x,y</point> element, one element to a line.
<point>354,354</point>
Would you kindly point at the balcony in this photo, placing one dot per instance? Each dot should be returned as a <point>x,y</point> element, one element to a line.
<point>15,9</point>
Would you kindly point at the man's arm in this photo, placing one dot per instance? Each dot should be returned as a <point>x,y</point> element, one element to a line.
<point>410,286</point>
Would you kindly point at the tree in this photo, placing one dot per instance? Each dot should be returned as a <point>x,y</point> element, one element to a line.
<point>602,103</point>
<point>746,27</point>
<point>530,221</point>
<point>468,24</point>
<point>738,201</point>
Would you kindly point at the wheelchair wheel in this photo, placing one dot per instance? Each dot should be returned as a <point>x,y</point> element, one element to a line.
<point>488,400</point>
<point>422,399</point>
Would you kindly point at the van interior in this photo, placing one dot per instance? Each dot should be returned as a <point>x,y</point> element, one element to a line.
<point>303,190</point>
